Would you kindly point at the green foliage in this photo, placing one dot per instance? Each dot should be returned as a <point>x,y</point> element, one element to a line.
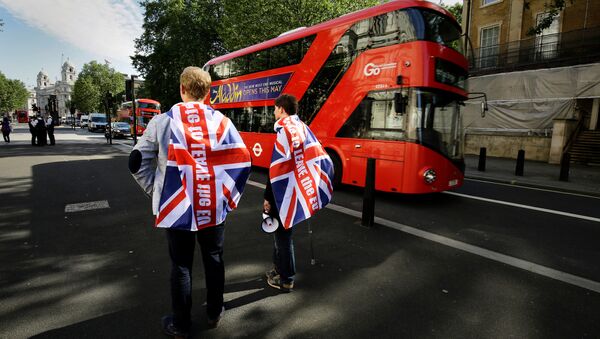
<point>455,9</point>
<point>553,9</point>
<point>92,84</point>
<point>247,22</point>
<point>13,94</point>
<point>181,33</point>
<point>176,34</point>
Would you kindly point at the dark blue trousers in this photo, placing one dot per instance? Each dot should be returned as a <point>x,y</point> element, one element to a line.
<point>283,253</point>
<point>181,251</point>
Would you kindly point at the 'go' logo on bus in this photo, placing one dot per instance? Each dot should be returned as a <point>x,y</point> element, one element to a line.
<point>373,69</point>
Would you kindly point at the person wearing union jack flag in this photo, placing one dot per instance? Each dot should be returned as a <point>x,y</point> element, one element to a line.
<point>194,164</point>
<point>300,184</point>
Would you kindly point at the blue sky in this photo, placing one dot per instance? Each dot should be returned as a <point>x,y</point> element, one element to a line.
<point>38,34</point>
<point>41,34</point>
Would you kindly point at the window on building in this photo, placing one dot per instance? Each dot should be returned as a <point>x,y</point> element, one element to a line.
<point>546,42</point>
<point>489,2</point>
<point>70,77</point>
<point>489,46</point>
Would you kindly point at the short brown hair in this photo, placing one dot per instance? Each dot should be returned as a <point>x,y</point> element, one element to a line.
<point>288,102</point>
<point>196,81</point>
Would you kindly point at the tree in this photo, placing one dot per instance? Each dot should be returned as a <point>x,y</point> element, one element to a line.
<point>455,9</point>
<point>247,22</point>
<point>92,84</point>
<point>13,94</point>
<point>180,33</point>
<point>552,10</point>
<point>176,34</point>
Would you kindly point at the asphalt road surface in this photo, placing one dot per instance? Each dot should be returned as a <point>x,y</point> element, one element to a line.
<point>486,261</point>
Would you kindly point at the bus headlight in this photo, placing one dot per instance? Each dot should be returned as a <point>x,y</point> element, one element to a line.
<point>429,176</point>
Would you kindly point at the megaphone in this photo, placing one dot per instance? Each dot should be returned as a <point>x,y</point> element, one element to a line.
<point>269,223</point>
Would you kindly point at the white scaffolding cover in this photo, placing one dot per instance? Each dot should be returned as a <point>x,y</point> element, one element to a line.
<point>530,100</point>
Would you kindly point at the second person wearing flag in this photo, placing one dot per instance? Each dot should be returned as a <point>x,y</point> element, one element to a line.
<point>299,184</point>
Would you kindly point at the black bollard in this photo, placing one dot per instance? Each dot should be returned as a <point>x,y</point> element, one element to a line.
<point>482,155</point>
<point>565,162</point>
<point>520,163</point>
<point>368,211</point>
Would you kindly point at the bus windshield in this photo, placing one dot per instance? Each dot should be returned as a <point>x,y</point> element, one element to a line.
<point>428,118</point>
<point>434,121</point>
<point>432,26</point>
<point>148,105</point>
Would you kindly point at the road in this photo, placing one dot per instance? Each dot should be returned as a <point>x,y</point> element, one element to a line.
<point>487,260</point>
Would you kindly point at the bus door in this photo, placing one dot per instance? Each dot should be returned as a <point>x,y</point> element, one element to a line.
<point>378,132</point>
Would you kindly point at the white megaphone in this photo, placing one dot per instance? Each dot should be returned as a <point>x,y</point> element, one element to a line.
<point>269,223</point>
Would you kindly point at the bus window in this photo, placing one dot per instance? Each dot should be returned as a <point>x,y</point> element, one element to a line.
<point>252,119</point>
<point>375,118</point>
<point>432,26</point>
<point>434,121</point>
<point>258,61</point>
<point>285,54</point>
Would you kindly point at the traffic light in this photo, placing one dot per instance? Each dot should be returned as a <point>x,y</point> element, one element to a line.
<point>129,89</point>
<point>35,108</point>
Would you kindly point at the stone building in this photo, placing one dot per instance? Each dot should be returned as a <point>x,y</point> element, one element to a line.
<point>61,89</point>
<point>543,89</point>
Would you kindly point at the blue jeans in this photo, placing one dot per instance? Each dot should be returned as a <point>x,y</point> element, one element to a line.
<point>283,254</point>
<point>181,251</point>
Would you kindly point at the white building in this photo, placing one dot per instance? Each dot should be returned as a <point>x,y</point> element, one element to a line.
<point>61,89</point>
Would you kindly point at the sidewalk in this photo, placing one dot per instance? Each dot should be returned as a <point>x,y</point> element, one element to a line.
<point>582,179</point>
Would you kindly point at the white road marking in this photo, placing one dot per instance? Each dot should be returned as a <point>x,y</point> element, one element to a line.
<point>532,188</point>
<point>540,209</point>
<point>479,251</point>
<point>86,206</point>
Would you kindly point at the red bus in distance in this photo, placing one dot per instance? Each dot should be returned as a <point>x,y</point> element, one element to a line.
<point>145,110</point>
<point>386,82</point>
<point>22,116</point>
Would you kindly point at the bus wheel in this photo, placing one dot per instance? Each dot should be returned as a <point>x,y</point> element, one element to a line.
<point>337,168</point>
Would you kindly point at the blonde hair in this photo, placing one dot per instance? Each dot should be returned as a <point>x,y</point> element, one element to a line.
<point>195,81</point>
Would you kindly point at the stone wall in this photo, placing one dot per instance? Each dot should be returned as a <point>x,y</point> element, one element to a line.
<point>507,146</point>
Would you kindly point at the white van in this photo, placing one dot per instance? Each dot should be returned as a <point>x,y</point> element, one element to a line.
<point>97,121</point>
<point>84,121</point>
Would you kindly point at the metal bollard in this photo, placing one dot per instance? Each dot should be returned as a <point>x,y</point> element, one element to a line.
<point>368,211</point>
<point>565,162</point>
<point>520,163</point>
<point>482,156</point>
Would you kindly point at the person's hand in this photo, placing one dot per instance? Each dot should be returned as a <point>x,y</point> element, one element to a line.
<point>266,206</point>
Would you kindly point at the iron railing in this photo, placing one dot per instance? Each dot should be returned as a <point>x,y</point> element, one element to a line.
<point>551,50</point>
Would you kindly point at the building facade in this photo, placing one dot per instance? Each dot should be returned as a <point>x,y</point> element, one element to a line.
<point>543,87</point>
<point>61,89</point>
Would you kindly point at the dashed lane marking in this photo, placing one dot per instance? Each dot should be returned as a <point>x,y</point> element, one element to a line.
<point>86,206</point>
<point>532,188</point>
<point>479,251</point>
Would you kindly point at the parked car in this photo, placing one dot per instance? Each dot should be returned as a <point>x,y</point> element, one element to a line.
<point>97,121</point>
<point>119,130</point>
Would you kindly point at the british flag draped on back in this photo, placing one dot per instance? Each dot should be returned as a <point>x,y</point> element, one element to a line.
<point>300,172</point>
<point>207,168</point>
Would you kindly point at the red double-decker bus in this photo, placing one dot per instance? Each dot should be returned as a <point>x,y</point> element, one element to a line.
<point>22,116</point>
<point>386,82</point>
<point>145,110</point>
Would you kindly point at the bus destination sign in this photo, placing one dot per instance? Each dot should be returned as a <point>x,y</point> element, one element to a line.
<point>264,88</point>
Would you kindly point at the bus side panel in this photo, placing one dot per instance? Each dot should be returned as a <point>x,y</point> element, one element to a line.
<point>260,147</point>
<point>418,160</point>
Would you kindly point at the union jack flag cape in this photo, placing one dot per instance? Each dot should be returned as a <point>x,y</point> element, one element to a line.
<point>207,168</point>
<point>300,172</point>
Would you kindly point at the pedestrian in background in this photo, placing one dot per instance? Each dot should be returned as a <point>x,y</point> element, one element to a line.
<point>32,122</point>
<point>40,129</point>
<point>194,143</point>
<point>299,185</point>
<point>6,129</point>
<point>50,129</point>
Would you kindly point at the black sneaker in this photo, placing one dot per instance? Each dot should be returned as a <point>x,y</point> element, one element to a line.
<point>276,282</point>
<point>169,328</point>
<point>213,323</point>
